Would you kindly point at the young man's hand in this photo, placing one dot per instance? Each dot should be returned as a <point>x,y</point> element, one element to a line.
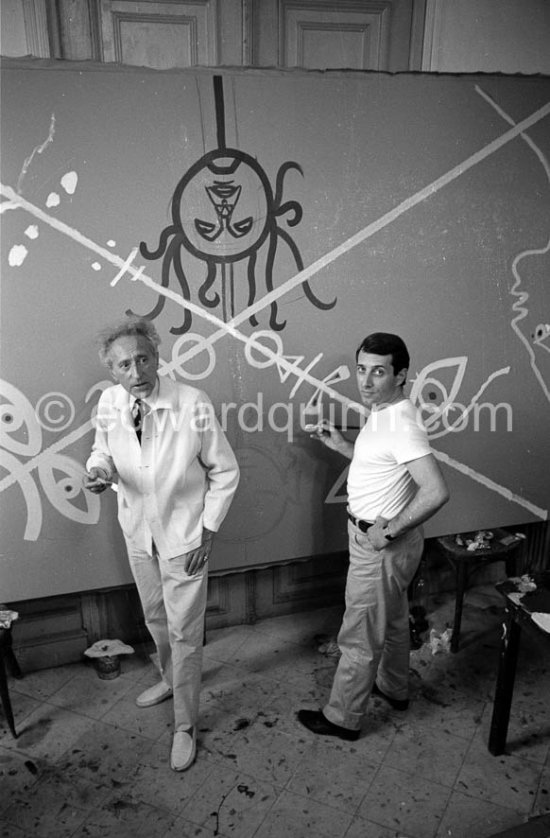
<point>376,535</point>
<point>330,436</point>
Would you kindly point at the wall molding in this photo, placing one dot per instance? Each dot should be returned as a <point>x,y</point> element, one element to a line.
<point>35,19</point>
<point>416,45</point>
<point>249,25</point>
<point>432,34</point>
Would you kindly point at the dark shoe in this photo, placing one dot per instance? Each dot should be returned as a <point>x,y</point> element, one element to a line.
<point>415,639</point>
<point>396,703</point>
<point>317,722</point>
<point>418,616</point>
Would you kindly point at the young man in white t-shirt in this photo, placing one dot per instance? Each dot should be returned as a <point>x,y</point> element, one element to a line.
<point>394,485</point>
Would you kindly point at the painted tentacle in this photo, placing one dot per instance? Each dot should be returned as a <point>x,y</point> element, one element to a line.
<point>251,275</point>
<point>279,182</point>
<point>300,265</point>
<point>291,206</point>
<point>182,279</point>
<point>296,209</point>
<point>274,324</point>
<point>164,236</point>
<point>209,302</point>
<point>165,279</point>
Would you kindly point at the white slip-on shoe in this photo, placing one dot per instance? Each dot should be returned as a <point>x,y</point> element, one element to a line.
<point>154,695</point>
<point>184,748</point>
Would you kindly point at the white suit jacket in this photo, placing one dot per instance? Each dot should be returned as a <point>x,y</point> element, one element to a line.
<point>180,479</point>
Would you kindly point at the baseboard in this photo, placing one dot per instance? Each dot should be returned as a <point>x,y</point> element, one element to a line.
<point>55,631</point>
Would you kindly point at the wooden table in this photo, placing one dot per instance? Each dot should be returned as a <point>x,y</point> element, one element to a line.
<point>503,547</point>
<point>525,610</point>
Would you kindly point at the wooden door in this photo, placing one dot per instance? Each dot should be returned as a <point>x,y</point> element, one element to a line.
<point>327,34</point>
<point>384,35</point>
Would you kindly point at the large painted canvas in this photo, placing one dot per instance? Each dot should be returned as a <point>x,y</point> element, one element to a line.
<point>266,222</point>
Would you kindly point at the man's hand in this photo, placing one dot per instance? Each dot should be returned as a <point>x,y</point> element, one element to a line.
<point>96,481</point>
<point>196,559</point>
<point>376,535</point>
<point>326,433</point>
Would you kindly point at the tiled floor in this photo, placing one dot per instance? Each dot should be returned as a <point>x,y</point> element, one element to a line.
<point>88,762</point>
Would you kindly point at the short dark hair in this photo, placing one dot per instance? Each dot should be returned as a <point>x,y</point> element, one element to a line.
<point>384,343</point>
<point>131,327</point>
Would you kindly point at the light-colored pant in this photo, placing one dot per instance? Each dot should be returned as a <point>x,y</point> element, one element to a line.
<point>375,637</point>
<point>174,604</point>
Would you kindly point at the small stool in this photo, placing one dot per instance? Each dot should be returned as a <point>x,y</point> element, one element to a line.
<point>503,547</point>
<point>7,659</point>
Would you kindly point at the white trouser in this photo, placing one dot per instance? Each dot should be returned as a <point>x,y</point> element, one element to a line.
<point>375,637</point>
<point>174,605</point>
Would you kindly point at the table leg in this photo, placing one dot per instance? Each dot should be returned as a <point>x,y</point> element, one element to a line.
<point>4,695</point>
<point>511,566</point>
<point>9,656</point>
<point>505,685</point>
<point>461,575</point>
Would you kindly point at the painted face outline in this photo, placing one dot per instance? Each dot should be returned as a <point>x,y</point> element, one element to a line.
<point>225,186</point>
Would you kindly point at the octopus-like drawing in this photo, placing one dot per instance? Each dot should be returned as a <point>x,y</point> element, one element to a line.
<point>223,211</point>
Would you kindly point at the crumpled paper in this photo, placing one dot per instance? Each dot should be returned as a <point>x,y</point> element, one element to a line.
<point>7,617</point>
<point>542,620</point>
<point>481,540</point>
<point>524,583</point>
<point>108,649</point>
<point>440,643</point>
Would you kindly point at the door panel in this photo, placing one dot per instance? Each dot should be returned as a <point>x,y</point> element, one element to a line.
<point>321,38</point>
<point>327,34</point>
<point>159,35</point>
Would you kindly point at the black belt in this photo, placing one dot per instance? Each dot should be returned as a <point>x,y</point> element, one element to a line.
<point>363,525</point>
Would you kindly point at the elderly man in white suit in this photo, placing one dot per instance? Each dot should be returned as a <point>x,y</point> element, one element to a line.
<point>176,475</point>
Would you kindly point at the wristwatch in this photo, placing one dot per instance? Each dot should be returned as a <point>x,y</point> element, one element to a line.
<point>387,535</point>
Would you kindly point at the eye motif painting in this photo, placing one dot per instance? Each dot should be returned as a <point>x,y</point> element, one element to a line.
<point>226,214</point>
